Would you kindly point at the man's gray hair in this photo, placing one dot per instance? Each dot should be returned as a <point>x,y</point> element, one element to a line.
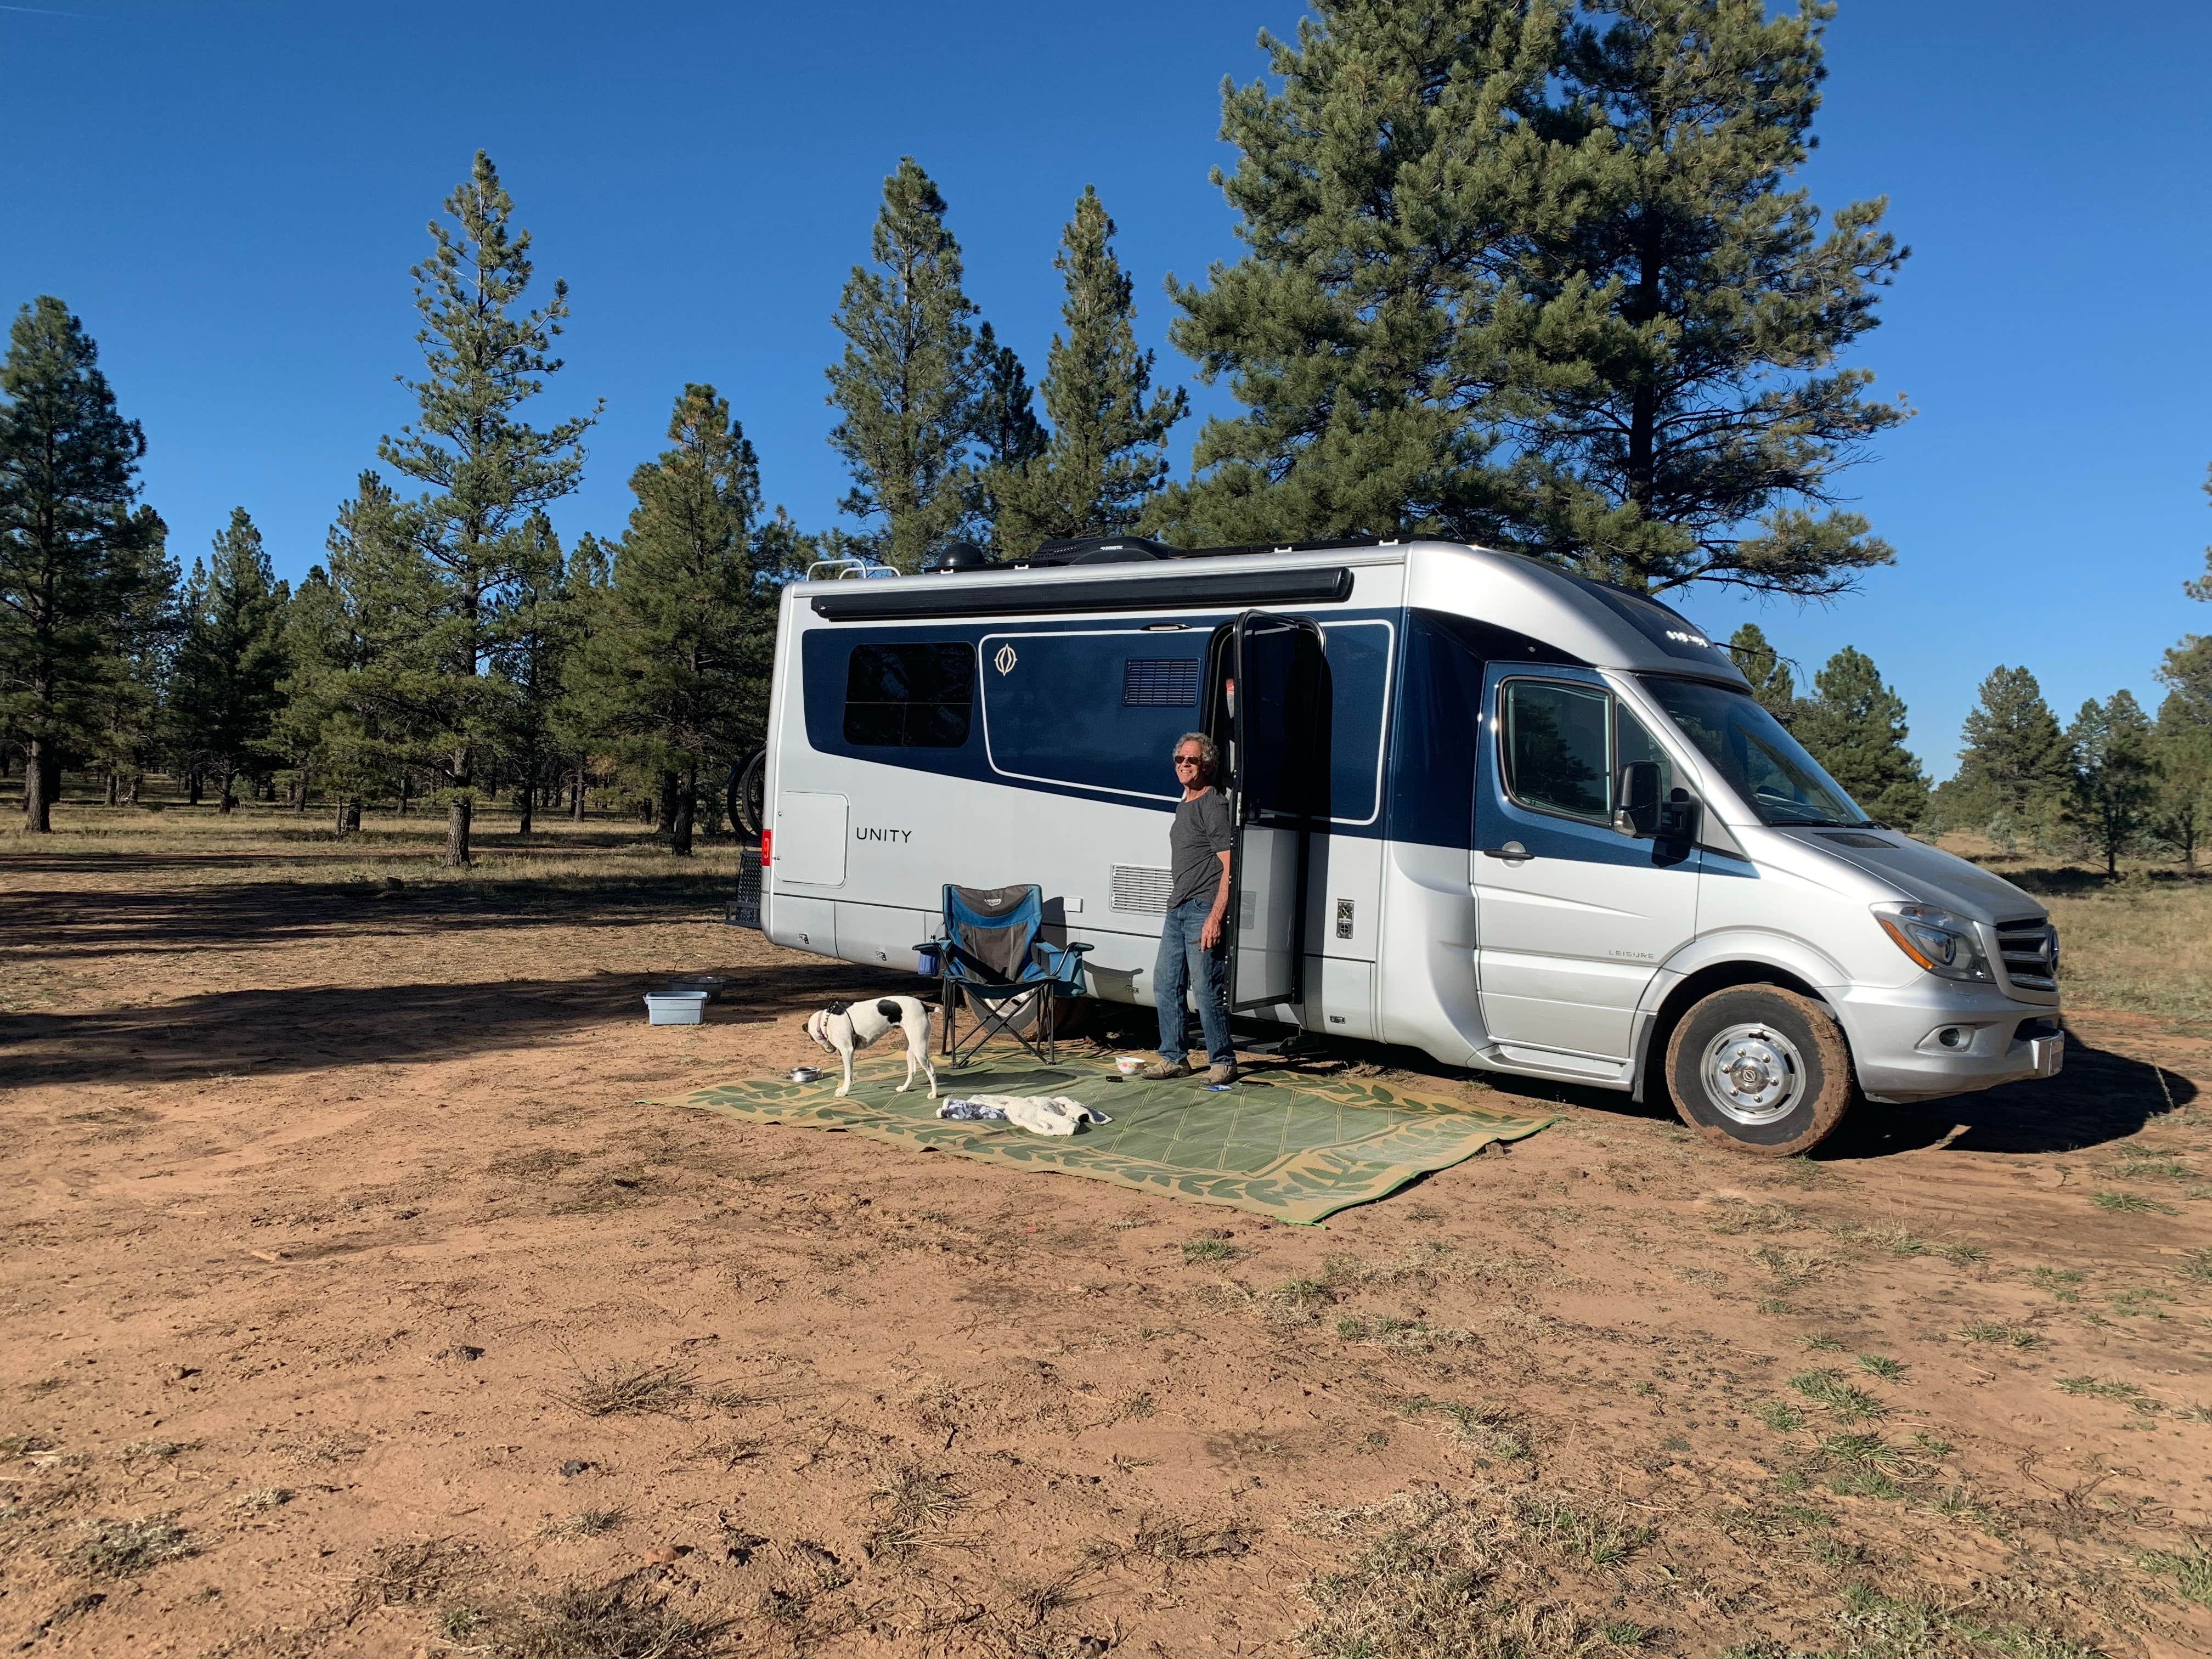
<point>1209,750</point>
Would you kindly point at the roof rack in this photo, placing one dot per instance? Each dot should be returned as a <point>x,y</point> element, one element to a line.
<point>845,570</point>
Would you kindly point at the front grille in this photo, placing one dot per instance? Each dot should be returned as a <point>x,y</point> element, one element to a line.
<point>1143,892</point>
<point>2029,950</point>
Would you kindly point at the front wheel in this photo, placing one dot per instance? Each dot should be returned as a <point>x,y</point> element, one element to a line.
<point>1764,1069</point>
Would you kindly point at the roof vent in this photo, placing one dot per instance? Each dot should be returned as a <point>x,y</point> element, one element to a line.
<point>957,555</point>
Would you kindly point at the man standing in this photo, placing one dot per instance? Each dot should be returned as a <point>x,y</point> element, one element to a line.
<point>1194,937</point>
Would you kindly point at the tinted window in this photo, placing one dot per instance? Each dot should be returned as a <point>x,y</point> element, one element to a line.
<point>1630,741</point>
<point>909,697</point>
<point>1748,746</point>
<point>1559,752</point>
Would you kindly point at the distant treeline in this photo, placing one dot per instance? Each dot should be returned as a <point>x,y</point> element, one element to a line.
<point>1528,273</point>
<point>2113,783</point>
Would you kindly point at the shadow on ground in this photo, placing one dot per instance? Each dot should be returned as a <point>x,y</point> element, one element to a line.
<point>267,1033</point>
<point>58,925</point>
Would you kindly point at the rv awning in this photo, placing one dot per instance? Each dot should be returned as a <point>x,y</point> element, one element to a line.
<point>907,598</point>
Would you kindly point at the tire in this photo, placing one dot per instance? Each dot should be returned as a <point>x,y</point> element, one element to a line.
<point>1792,1085</point>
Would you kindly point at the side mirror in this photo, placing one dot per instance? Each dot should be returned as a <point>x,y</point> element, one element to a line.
<point>1637,792</point>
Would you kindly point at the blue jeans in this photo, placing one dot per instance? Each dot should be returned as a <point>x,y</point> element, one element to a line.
<point>1182,964</point>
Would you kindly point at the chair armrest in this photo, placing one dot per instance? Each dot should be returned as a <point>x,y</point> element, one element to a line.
<point>1075,947</point>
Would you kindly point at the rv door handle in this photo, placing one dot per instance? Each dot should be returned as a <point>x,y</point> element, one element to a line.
<point>1512,849</point>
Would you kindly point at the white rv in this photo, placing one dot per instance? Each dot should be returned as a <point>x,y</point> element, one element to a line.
<point>1518,820</point>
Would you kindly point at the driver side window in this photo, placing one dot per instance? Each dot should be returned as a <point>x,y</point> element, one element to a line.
<point>1564,744</point>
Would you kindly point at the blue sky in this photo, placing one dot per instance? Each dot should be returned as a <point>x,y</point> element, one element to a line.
<point>230,195</point>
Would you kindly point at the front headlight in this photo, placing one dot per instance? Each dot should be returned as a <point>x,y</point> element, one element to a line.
<point>1946,946</point>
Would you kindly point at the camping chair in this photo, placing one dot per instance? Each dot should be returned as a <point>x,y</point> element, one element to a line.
<point>992,956</point>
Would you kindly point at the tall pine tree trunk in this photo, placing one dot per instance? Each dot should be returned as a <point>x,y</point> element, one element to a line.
<point>114,786</point>
<point>670,788</point>
<point>229,802</point>
<point>457,815</point>
<point>38,797</point>
<point>687,806</point>
<point>529,791</point>
<point>338,813</point>
<point>131,792</point>
<point>300,792</point>
<point>192,786</point>
<point>576,794</point>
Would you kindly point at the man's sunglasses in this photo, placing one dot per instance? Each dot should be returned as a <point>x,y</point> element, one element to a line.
<point>1190,760</point>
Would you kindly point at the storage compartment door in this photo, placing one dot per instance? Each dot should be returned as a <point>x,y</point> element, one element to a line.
<point>810,832</point>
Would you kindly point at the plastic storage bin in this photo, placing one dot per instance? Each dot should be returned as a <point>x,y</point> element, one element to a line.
<point>674,1007</point>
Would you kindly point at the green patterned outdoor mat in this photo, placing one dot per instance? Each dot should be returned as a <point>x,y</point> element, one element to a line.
<point>1295,1147</point>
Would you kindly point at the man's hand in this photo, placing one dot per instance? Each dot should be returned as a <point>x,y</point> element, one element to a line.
<point>1209,937</point>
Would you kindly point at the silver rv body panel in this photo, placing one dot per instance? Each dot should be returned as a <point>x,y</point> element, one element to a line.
<point>1559,962</point>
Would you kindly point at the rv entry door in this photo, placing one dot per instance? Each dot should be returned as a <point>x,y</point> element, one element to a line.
<point>1269,711</point>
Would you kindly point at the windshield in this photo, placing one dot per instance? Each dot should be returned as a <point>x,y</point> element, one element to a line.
<point>1754,751</point>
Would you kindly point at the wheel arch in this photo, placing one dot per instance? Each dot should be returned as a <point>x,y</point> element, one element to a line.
<point>1657,1026</point>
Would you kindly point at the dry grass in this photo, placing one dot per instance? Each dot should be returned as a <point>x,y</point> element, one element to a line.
<point>1441,1582</point>
<point>627,1389</point>
<point>124,1549</point>
<point>620,1620</point>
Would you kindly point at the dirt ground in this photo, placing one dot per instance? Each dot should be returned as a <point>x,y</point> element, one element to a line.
<point>351,1304</point>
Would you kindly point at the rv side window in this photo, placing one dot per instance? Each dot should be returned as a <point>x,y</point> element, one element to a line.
<point>1558,750</point>
<point>909,697</point>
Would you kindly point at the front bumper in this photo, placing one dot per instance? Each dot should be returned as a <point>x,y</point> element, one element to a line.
<point>1921,1042</point>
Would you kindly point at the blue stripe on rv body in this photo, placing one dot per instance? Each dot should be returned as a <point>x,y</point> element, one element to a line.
<point>1019,742</point>
<point>1435,681</point>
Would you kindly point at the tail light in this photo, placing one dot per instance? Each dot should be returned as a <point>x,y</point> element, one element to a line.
<point>767,842</point>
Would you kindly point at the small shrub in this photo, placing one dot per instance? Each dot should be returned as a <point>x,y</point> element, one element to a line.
<point>1828,1389</point>
<point>124,1549</point>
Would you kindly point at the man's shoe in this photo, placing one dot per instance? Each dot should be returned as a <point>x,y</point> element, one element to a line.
<point>1160,1070</point>
<point>1222,1073</point>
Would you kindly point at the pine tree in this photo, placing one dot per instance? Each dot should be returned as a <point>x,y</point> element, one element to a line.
<point>141,653</point>
<point>490,472</point>
<point>1854,727</point>
<point>536,629</point>
<point>1700,437</point>
<point>2115,775</point>
<point>1370,328</point>
<point>906,387</point>
<point>1542,286</point>
<point>1008,434</point>
<point>674,672</point>
<point>2016,767</point>
<point>1108,453</point>
<point>372,672</point>
<point>1771,682</point>
<point>73,551</point>
<point>230,663</point>
<point>2182,744</point>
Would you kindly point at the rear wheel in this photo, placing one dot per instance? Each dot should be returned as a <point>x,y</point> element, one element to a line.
<point>1762,1069</point>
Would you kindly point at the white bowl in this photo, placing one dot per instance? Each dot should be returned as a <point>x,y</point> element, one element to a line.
<point>1128,1065</point>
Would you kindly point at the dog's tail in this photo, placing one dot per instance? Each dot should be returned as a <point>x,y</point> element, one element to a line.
<point>889,1009</point>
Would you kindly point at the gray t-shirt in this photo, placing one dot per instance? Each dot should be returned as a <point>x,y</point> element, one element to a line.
<point>1200,835</point>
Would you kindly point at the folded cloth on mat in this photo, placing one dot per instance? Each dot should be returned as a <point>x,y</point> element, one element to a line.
<point>1043,1114</point>
<point>968,1111</point>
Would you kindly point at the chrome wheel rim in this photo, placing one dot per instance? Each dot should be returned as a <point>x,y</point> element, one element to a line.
<point>1752,1074</point>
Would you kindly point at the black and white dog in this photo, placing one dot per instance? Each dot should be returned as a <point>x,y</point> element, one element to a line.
<point>844,1026</point>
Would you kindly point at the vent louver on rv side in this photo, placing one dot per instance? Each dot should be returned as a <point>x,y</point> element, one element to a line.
<point>1159,682</point>
<point>1142,892</point>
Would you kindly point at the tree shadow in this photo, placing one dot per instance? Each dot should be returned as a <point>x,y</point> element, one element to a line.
<point>59,925</point>
<point>265,1033</point>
